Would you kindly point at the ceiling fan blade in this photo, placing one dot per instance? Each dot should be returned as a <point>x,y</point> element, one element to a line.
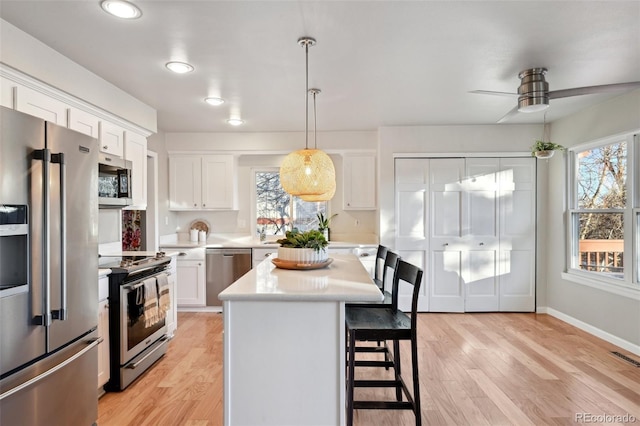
<point>606,88</point>
<point>488,92</point>
<point>508,115</point>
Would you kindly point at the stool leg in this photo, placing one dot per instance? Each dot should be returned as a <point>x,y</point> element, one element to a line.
<point>416,380</point>
<point>396,363</point>
<point>350,379</point>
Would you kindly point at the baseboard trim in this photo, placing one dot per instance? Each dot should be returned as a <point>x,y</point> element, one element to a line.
<point>624,344</point>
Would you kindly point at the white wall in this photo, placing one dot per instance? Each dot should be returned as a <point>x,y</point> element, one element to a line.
<point>166,219</point>
<point>610,315</point>
<point>268,150</point>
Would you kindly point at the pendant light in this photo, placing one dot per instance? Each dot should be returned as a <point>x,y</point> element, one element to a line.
<point>329,194</point>
<point>307,171</point>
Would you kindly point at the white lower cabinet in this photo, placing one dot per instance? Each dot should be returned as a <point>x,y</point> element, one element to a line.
<point>260,254</point>
<point>191,276</point>
<point>103,332</point>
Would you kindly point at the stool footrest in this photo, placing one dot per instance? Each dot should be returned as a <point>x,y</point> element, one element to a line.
<point>382,405</point>
<point>377,383</point>
<point>363,363</point>
<point>372,349</point>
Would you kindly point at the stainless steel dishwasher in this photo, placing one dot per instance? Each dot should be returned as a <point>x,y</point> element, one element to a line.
<point>223,267</point>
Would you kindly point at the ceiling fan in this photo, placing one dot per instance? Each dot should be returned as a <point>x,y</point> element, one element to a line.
<point>533,92</point>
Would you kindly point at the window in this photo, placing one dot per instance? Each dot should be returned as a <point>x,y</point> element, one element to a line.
<point>277,211</point>
<point>603,235</point>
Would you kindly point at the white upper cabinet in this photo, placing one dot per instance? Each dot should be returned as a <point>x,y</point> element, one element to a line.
<point>135,150</point>
<point>111,139</point>
<point>40,105</point>
<point>218,182</point>
<point>359,181</point>
<point>202,182</point>
<point>185,182</point>
<point>84,122</point>
<point>6,92</point>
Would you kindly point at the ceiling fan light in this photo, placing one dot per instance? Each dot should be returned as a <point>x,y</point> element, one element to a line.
<point>533,104</point>
<point>307,172</point>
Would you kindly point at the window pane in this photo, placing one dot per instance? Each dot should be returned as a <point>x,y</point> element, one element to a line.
<point>276,210</point>
<point>602,173</point>
<point>601,243</point>
<point>272,204</point>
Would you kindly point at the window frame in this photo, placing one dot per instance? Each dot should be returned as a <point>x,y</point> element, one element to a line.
<point>631,218</point>
<point>254,225</point>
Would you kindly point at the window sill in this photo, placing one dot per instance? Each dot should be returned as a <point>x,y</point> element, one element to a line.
<point>622,289</point>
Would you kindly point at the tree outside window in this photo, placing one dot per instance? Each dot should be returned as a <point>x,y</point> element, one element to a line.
<point>277,211</point>
<point>601,202</point>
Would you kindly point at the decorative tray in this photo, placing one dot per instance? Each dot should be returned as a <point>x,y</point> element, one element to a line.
<point>200,225</point>
<point>286,264</point>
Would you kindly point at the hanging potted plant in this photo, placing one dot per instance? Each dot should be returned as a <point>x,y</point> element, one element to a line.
<point>542,149</point>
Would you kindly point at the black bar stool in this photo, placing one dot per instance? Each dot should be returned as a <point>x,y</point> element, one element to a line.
<point>378,324</point>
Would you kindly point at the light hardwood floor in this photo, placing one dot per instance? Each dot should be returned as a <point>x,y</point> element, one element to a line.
<point>475,369</point>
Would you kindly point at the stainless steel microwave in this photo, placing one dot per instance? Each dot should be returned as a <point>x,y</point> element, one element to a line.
<point>114,181</point>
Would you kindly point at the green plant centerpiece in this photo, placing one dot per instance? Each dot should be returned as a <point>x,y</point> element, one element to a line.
<point>303,247</point>
<point>542,149</point>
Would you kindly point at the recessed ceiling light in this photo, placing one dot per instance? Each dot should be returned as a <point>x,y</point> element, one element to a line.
<point>235,121</point>
<point>179,67</point>
<point>214,101</point>
<point>121,9</point>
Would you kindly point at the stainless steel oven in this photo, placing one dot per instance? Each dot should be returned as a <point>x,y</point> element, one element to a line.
<point>135,345</point>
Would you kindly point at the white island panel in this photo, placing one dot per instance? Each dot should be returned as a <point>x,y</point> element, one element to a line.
<point>284,343</point>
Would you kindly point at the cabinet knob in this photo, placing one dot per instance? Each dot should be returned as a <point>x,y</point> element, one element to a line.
<point>481,244</point>
<point>204,205</point>
<point>105,147</point>
<point>267,254</point>
<point>445,244</point>
<point>195,205</point>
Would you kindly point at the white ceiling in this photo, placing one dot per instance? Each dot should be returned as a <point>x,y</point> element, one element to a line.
<point>378,63</point>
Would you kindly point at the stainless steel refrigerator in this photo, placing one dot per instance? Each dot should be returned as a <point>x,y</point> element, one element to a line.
<point>48,273</point>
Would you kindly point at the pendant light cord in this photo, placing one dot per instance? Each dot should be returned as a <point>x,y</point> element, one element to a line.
<point>306,103</point>
<point>315,121</point>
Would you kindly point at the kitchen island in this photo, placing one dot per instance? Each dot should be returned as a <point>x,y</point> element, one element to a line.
<point>284,353</point>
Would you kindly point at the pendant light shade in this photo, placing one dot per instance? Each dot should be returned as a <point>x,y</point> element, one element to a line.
<point>327,196</point>
<point>307,172</point>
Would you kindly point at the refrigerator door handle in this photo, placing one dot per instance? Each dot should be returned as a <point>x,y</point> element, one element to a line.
<point>44,155</point>
<point>91,344</point>
<point>61,314</point>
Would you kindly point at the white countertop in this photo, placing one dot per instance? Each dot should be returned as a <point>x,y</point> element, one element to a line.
<point>247,242</point>
<point>345,279</point>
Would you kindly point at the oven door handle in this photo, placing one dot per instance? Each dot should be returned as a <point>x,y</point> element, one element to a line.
<point>140,283</point>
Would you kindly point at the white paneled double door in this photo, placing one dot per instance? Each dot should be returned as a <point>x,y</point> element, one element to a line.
<point>470,223</point>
